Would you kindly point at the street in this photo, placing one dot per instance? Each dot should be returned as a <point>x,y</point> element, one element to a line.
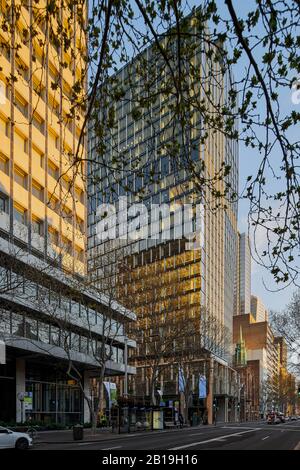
<point>246,436</point>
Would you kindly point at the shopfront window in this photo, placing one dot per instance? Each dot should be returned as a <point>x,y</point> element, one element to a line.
<point>54,402</point>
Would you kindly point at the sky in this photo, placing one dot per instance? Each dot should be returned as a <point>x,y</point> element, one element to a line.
<point>263,285</point>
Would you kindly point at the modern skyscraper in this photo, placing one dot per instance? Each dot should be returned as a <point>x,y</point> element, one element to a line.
<point>163,280</point>
<point>258,310</point>
<point>244,280</point>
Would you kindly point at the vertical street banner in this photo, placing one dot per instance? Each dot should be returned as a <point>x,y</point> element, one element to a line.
<point>111,390</point>
<point>181,381</point>
<point>202,386</point>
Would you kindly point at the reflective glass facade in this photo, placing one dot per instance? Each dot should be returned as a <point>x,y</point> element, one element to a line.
<point>180,282</point>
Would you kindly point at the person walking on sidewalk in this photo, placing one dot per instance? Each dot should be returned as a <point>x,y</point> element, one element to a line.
<point>180,418</point>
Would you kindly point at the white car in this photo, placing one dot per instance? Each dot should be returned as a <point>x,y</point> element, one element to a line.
<point>14,440</point>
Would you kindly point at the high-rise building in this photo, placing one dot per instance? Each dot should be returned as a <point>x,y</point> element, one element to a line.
<point>258,310</point>
<point>261,346</point>
<point>163,279</point>
<point>41,205</point>
<point>244,281</point>
<point>49,318</point>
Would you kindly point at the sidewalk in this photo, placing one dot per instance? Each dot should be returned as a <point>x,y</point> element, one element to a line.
<point>102,434</point>
<point>66,436</point>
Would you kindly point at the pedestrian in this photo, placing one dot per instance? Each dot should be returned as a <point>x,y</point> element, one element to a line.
<point>180,418</point>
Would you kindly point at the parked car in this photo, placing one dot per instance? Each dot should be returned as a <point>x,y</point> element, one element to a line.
<point>281,417</point>
<point>14,440</point>
<point>294,418</point>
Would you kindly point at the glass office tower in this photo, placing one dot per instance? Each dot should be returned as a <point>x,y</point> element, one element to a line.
<point>166,279</point>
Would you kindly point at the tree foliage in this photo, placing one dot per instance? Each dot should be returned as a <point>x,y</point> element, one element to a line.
<point>255,52</point>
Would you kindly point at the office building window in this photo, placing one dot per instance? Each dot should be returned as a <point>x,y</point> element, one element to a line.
<point>21,177</point>
<point>79,195</point>
<point>53,170</point>
<point>37,190</point>
<point>37,226</point>
<point>20,214</point>
<point>53,139</point>
<point>38,156</point>
<point>79,254</point>
<point>4,164</point>
<point>4,126</point>
<point>53,235</point>
<point>53,202</point>
<point>38,122</point>
<point>3,203</point>
<point>22,105</point>
<point>21,142</point>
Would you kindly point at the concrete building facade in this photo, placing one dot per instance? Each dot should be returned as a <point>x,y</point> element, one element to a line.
<point>258,310</point>
<point>244,280</point>
<point>49,316</point>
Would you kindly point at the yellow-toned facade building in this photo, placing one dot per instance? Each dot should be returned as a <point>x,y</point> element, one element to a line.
<point>42,200</point>
<point>165,281</point>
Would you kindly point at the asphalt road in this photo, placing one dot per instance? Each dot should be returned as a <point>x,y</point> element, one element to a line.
<point>246,436</point>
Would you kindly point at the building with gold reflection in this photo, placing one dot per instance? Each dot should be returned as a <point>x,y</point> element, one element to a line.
<point>43,217</point>
<point>163,281</point>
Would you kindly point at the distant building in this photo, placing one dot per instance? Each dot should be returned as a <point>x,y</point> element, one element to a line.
<point>258,310</point>
<point>260,345</point>
<point>244,282</point>
<point>266,356</point>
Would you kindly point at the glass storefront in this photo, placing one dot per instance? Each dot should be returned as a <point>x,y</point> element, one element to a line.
<point>50,398</point>
<point>53,402</point>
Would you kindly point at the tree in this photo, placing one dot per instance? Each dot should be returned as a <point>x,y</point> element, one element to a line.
<point>159,331</point>
<point>207,336</point>
<point>287,324</point>
<point>90,328</point>
<point>263,41</point>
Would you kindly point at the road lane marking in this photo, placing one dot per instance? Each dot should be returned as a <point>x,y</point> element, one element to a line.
<point>193,444</point>
<point>86,443</point>
<point>237,427</point>
<point>111,448</point>
<point>264,438</point>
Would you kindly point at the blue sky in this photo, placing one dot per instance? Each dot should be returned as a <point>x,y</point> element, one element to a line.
<point>262,282</point>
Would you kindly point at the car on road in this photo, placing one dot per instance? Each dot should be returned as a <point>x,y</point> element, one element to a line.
<point>294,418</point>
<point>273,418</point>
<point>281,417</point>
<point>14,440</point>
